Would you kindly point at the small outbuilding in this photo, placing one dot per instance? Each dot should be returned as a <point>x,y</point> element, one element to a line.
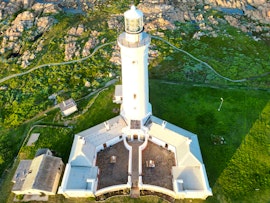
<point>68,107</point>
<point>118,97</point>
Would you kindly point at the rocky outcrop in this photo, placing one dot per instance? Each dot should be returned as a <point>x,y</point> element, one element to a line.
<point>12,36</point>
<point>76,48</point>
<point>116,22</point>
<point>163,15</point>
<point>47,8</point>
<point>44,23</point>
<point>31,25</point>
<point>71,47</point>
<point>35,19</point>
<point>115,59</point>
<point>91,43</point>
<point>8,9</point>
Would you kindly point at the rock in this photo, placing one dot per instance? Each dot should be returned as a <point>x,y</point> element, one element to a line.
<point>213,20</point>
<point>199,17</point>
<point>115,59</point>
<point>116,22</point>
<point>87,84</point>
<point>39,46</point>
<point>26,57</point>
<point>26,19</point>
<point>46,8</point>
<point>8,9</point>
<point>71,47</point>
<point>80,30</point>
<point>91,43</point>
<point>76,31</point>
<point>44,23</point>
<point>232,20</point>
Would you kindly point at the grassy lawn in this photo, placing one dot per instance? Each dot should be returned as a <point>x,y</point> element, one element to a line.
<point>238,167</point>
<point>234,169</point>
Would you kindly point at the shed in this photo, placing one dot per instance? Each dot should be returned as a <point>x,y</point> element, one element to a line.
<point>68,107</point>
<point>118,94</point>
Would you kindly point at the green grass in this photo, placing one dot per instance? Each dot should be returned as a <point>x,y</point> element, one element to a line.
<point>244,123</point>
<point>248,170</point>
<point>242,120</point>
<point>100,111</point>
<point>195,109</point>
<point>233,54</point>
<point>57,139</point>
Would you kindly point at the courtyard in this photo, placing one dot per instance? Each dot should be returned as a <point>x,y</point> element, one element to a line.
<point>113,165</point>
<point>157,163</point>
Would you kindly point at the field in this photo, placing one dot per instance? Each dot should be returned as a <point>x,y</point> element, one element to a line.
<point>243,121</point>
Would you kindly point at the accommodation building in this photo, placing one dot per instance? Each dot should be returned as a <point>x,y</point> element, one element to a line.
<point>38,176</point>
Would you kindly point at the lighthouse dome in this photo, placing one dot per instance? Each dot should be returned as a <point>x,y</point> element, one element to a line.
<point>133,20</point>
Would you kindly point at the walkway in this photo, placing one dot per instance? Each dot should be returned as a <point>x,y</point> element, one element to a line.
<point>154,37</point>
<point>135,192</point>
<point>55,64</point>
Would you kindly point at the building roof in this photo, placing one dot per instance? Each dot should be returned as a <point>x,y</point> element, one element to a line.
<point>118,91</point>
<point>38,173</point>
<point>189,169</point>
<point>67,104</point>
<point>191,177</point>
<point>183,140</point>
<point>20,174</point>
<point>103,132</point>
<point>80,172</point>
<point>43,151</point>
<point>81,177</point>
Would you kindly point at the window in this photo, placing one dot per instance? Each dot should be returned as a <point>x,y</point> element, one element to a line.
<point>133,25</point>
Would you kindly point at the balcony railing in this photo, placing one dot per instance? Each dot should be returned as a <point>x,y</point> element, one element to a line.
<point>145,39</point>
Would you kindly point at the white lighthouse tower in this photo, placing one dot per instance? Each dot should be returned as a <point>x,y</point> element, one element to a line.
<point>134,44</point>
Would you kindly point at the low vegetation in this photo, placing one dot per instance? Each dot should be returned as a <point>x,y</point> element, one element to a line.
<point>182,91</point>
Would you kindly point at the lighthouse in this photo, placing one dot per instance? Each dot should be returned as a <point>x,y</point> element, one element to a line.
<point>138,140</point>
<point>134,44</point>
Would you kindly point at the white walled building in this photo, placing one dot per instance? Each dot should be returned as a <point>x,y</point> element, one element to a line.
<point>38,176</point>
<point>68,107</point>
<point>135,127</point>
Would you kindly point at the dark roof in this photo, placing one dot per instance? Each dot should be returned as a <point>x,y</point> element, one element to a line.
<point>42,173</point>
<point>48,170</point>
<point>20,174</point>
<point>43,151</point>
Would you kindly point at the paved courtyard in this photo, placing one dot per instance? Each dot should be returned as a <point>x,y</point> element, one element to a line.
<point>160,174</point>
<point>113,165</point>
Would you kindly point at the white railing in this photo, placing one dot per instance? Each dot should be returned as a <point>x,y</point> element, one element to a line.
<point>122,40</point>
<point>129,148</point>
<point>112,189</point>
<point>141,148</point>
<point>158,189</point>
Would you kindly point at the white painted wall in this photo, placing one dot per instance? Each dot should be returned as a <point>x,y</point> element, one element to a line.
<point>135,88</point>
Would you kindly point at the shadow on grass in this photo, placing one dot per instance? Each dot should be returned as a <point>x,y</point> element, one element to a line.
<point>196,109</point>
